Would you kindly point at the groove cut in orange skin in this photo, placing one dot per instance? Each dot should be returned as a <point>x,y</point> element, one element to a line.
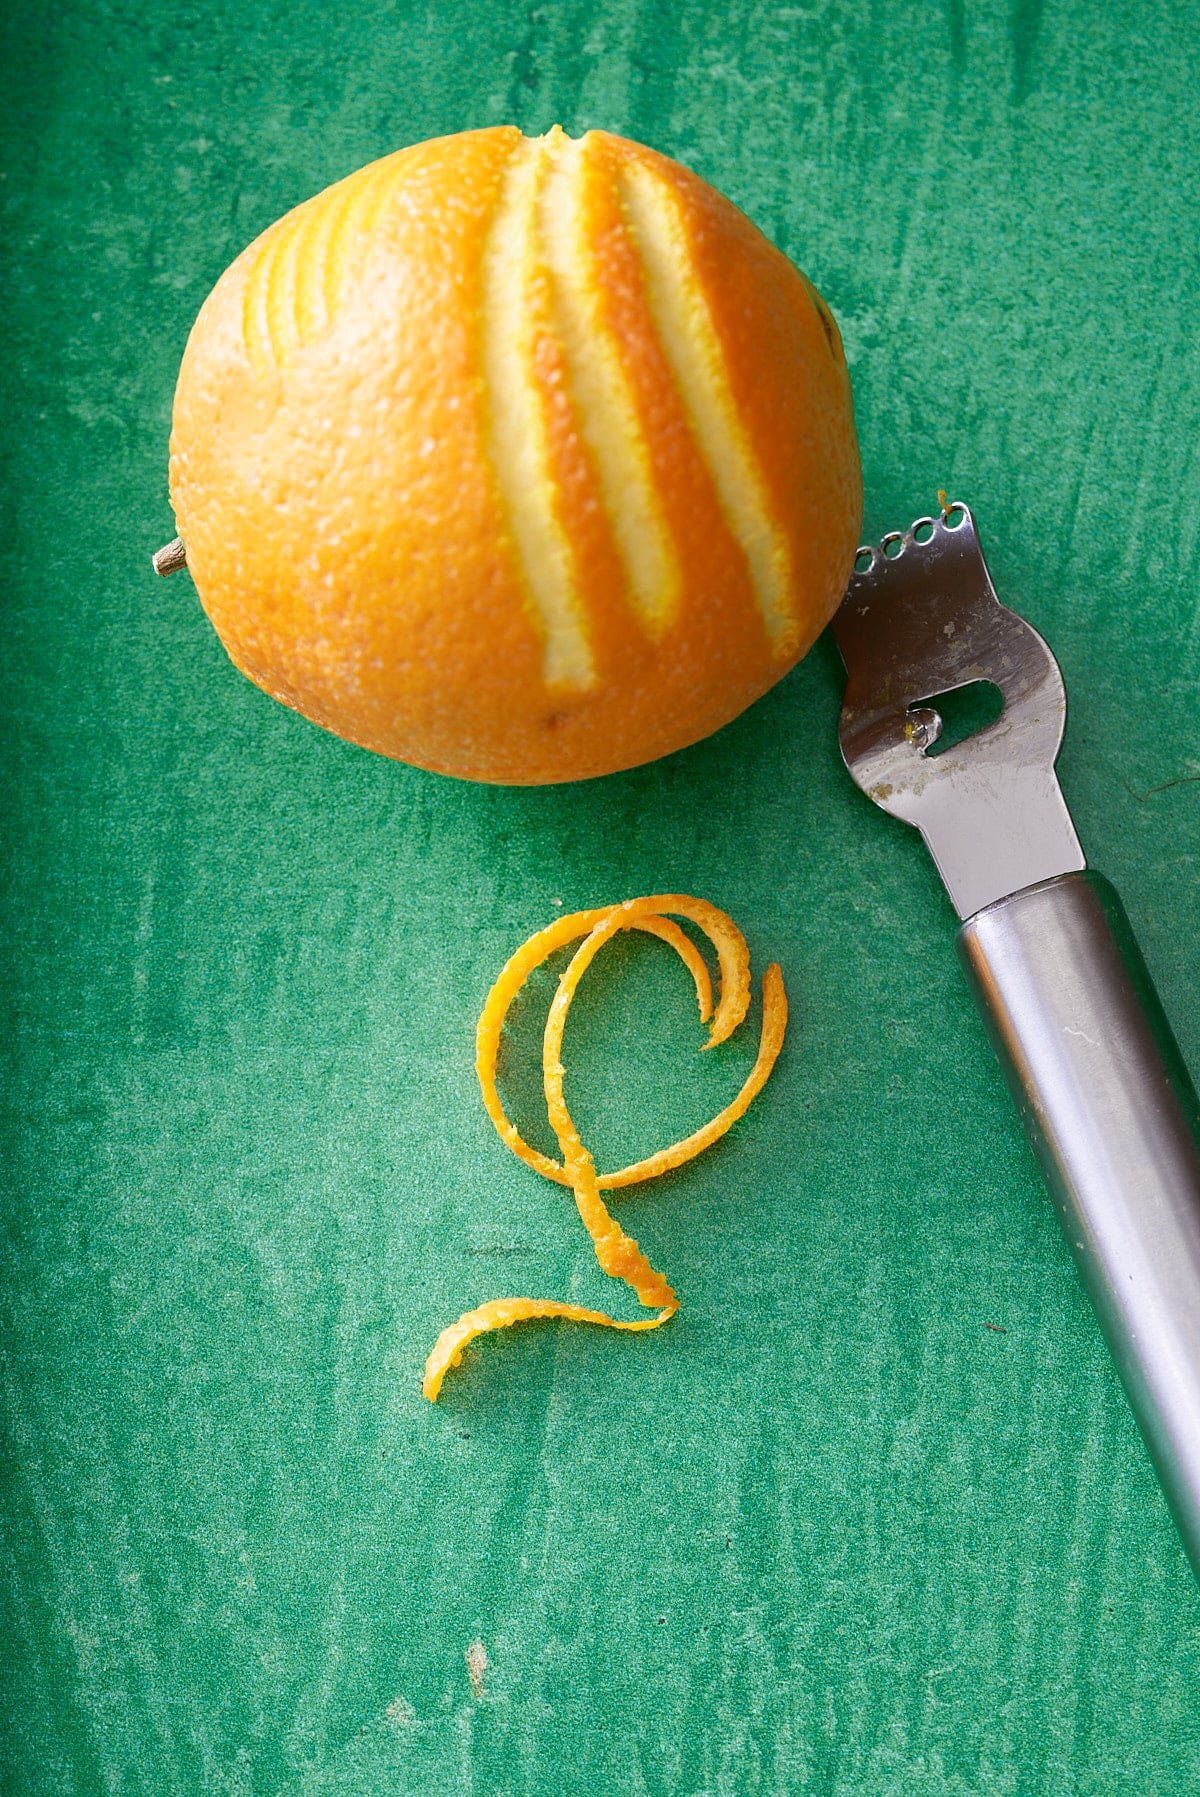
<point>617,1252</point>
<point>521,459</point>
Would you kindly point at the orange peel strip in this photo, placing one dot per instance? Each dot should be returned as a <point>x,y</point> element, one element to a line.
<point>617,1252</point>
<point>733,961</point>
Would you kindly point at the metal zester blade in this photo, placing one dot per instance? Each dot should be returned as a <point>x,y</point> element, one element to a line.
<point>921,617</point>
<point>1070,1007</point>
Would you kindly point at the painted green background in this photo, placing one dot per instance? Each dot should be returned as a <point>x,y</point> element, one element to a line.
<point>830,1532</point>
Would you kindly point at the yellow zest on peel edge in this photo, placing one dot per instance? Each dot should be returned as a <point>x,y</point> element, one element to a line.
<point>617,1253</point>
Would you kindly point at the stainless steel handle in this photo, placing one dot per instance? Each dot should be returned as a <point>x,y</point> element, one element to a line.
<point>1113,1118</point>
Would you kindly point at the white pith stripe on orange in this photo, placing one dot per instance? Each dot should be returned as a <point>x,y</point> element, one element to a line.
<point>518,438</point>
<point>280,301</point>
<point>314,302</point>
<point>355,220</point>
<point>685,326</point>
<point>295,280</point>
<point>257,297</point>
<point>604,400</point>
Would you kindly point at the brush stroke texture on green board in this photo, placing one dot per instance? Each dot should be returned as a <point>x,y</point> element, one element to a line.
<point>871,1515</point>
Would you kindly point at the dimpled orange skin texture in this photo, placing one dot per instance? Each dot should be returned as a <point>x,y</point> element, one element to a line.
<point>522,460</point>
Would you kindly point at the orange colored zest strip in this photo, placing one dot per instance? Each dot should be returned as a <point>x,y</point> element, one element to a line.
<point>617,1253</point>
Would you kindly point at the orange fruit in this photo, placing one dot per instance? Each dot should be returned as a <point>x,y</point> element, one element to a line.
<point>522,459</point>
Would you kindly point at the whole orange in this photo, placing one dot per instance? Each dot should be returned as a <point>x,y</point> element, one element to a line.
<point>522,459</point>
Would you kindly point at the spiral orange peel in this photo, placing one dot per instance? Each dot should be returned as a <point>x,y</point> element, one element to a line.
<point>617,1252</point>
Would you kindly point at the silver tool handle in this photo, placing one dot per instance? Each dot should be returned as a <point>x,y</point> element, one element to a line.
<point>1113,1118</point>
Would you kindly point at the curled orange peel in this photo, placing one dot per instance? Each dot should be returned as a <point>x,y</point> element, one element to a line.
<point>617,1252</point>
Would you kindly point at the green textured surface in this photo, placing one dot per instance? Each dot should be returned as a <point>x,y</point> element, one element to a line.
<point>830,1532</point>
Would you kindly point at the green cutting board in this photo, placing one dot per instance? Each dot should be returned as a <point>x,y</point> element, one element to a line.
<point>871,1515</point>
